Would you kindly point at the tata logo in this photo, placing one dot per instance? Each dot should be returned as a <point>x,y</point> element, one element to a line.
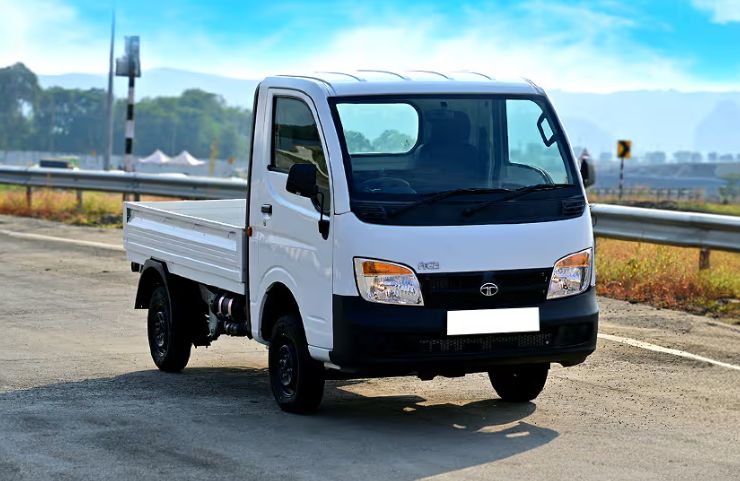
<point>489,289</point>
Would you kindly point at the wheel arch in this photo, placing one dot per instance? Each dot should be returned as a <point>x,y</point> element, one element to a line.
<point>278,301</point>
<point>153,273</point>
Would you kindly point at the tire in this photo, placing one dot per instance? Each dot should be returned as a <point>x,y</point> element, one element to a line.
<point>169,341</point>
<point>297,380</point>
<point>520,383</point>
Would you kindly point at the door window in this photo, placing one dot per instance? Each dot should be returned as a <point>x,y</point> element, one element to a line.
<point>296,140</point>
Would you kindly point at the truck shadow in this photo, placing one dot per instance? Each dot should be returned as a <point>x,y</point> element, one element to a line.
<point>218,423</point>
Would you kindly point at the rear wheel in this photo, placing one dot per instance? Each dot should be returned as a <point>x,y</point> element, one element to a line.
<point>169,342</point>
<point>297,380</point>
<point>519,383</point>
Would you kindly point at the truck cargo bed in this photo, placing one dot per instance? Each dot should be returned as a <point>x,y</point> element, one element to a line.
<point>202,240</point>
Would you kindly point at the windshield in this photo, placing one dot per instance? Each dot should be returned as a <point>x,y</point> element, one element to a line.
<point>414,156</point>
<point>424,145</point>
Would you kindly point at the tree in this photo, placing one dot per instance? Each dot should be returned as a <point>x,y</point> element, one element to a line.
<point>74,120</point>
<point>357,142</point>
<point>392,141</point>
<point>70,120</point>
<point>19,91</point>
<point>192,122</point>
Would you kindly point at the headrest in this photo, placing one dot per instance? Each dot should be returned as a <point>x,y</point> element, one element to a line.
<point>449,126</point>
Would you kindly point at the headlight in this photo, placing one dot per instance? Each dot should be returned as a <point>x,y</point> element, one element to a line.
<point>571,275</point>
<point>387,283</point>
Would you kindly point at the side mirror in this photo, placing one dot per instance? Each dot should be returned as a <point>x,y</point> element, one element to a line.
<point>302,180</point>
<point>588,173</point>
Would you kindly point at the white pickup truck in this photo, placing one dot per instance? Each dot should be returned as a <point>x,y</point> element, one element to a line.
<point>413,223</point>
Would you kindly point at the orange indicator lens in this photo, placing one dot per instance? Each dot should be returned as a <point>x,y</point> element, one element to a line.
<point>373,268</point>
<point>576,260</point>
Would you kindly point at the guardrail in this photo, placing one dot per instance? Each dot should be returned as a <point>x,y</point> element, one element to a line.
<point>168,185</point>
<point>687,229</point>
<point>706,231</point>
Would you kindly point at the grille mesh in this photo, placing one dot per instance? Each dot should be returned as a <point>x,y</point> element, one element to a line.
<point>462,290</point>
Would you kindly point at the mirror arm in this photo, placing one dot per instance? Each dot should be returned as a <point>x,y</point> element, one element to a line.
<point>323,223</point>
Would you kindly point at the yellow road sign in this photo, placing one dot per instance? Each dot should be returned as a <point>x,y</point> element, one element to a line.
<point>624,149</point>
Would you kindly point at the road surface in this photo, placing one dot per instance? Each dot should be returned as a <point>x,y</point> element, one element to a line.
<point>80,398</point>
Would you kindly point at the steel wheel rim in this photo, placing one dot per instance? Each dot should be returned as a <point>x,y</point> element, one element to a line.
<point>286,370</point>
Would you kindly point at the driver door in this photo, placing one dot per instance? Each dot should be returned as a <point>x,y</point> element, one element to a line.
<point>290,248</point>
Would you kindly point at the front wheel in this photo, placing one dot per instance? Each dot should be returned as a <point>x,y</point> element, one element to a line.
<point>297,380</point>
<point>520,383</point>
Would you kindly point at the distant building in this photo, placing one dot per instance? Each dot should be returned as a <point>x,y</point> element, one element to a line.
<point>726,158</point>
<point>605,157</point>
<point>682,156</point>
<point>696,157</point>
<point>657,157</point>
<point>712,157</point>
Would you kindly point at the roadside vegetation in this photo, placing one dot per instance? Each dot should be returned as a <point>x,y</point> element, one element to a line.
<point>669,277</point>
<point>98,208</point>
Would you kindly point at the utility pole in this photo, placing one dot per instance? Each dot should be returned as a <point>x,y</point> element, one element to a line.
<point>129,66</point>
<point>109,102</point>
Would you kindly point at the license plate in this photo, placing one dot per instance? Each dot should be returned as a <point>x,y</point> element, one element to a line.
<point>493,321</point>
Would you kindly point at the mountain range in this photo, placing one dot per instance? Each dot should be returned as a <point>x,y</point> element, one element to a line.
<point>664,120</point>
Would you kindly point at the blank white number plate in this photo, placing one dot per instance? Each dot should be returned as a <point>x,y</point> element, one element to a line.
<point>493,321</point>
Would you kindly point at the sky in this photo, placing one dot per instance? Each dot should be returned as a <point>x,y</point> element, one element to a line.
<point>574,45</point>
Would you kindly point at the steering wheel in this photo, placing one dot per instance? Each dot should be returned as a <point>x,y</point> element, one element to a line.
<point>390,185</point>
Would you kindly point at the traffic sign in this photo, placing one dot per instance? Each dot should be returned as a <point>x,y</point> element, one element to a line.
<point>624,149</point>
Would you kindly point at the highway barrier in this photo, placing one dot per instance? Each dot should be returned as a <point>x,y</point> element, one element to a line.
<point>688,229</point>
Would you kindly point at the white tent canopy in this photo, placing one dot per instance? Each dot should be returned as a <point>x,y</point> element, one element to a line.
<point>157,157</point>
<point>184,158</point>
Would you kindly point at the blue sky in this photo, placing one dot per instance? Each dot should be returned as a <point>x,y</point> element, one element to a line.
<point>598,45</point>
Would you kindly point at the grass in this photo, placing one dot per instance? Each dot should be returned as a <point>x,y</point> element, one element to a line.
<point>98,208</point>
<point>669,277</point>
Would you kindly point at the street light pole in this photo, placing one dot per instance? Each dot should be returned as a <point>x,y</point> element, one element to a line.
<point>109,102</point>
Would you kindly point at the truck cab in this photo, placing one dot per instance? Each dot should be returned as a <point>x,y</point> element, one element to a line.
<point>413,223</point>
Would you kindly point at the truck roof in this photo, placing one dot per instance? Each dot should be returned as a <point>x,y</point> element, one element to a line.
<point>384,82</point>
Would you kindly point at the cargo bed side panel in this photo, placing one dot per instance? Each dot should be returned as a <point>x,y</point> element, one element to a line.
<point>198,249</point>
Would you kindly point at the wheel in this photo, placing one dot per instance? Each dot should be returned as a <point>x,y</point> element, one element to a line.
<point>297,380</point>
<point>519,383</point>
<point>169,341</point>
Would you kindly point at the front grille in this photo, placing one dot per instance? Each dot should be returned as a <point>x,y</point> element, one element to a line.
<point>463,290</point>
<point>411,344</point>
<point>477,344</point>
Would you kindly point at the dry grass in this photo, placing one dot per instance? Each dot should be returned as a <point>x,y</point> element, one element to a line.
<point>99,209</point>
<point>669,277</point>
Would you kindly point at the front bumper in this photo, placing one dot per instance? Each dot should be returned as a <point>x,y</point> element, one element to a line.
<point>384,340</point>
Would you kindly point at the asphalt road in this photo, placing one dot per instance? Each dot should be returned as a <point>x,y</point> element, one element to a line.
<point>80,398</point>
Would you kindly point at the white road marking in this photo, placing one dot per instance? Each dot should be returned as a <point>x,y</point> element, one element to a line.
<point>62,240</point>
<point>666,350</point>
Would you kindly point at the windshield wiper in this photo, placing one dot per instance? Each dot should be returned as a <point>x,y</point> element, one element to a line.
<point>445,194</point>
<point>513,195</point>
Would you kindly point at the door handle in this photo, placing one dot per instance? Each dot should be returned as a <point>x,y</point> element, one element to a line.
<point>267,209</point>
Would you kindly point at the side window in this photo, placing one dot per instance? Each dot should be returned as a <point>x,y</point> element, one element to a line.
<point>295,140</point>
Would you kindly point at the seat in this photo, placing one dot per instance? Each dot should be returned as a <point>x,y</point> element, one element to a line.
<point>447,151</point>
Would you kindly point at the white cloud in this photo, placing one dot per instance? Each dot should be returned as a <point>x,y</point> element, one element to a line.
<point>588,51</point>
<point>558,45</point>
<point>48,36</point>
<point>723,11</point>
